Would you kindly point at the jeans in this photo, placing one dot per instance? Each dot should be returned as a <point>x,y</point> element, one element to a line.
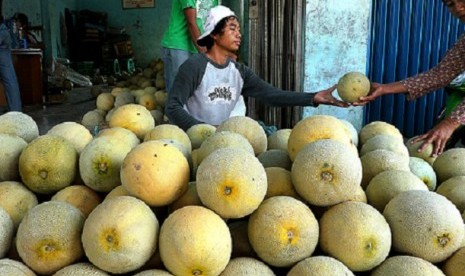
<point>9,81</point>
<point>172,59</point>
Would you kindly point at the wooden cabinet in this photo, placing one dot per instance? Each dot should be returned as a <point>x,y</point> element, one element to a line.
<point>28,68</point>
<point>2,96</point>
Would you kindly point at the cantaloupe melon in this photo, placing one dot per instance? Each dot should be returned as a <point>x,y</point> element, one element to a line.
<point>17,200</point>
<point>321,266</point>
<point>377,161</point>
<point>198,133</point>
<point>455,265</point>
<point>385,142</point>
<point>195,241</point>
<point>9,267</point>
<point>134,117</point>
<point>424,224</point>
<point>275,158</point>
<point>125,135</point>
<point>92,120</point>
<point>424,171</point>
<point>105,101</point>
<point>168,131</point>
<point>153,272</point>
<point>161,96</point>
<point>352,131</point>
<point>158,116</point>
<point>190,197</point>
<point>280,183</point>
<point>108,116</point>
<point>241,246</point>
<point>449,164</point>
<point>100,163</point>
<point>326,172</point>
<point>20,124</point>
<point>360,195</point>
<point>404,265</point>
<point>81,269</point>
<point>138,93</point>
<point>120,234</point>
<point>279,139</point>
<point>148,100</point>
<point>454,190</point>
<point>314,128</point>
<point>49,236</point>
<point>376,128</point>
<point>247,266</point>
<point>124,98</point>
<point>181,147</point>
<point>7,231</point>
<point>75,133</point>
<point>80,196</point>
<point>426,154</point>
<point>101,112</point>
<point>283,231</point>
<point>12,146</point>
<point>156,172</point>
<point>48,164</point>
<point>249,128</point>
<point>116,91</point>
<point>219,140</point>
<point>353,85</point>
<point>356,234</point>
<point>231,182</point>
<point>387,184</point>
<point>117,191</point>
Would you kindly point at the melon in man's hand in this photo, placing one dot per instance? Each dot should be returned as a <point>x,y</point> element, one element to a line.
<point>352,86</point>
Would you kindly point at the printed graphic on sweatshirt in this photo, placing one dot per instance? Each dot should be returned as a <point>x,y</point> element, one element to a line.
<point>222,93</point>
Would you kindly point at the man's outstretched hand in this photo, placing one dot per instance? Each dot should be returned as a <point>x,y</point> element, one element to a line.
<point>326,97</point>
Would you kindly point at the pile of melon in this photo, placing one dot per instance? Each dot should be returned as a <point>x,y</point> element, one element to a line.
<point>146,198</point>
<point>145,87</point>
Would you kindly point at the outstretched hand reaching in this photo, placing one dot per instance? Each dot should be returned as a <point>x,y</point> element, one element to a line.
<point>326,97</point>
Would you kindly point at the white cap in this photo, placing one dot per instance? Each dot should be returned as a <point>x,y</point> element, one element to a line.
<point>215,15</point>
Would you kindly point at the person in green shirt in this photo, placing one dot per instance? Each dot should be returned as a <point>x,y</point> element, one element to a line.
<point>180,39</point>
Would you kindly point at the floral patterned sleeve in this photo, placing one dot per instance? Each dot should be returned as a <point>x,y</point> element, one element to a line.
<point>450,67</point>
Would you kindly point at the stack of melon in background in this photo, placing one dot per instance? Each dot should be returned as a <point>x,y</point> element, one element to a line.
<point>145,198</point>
<point>146,88</point>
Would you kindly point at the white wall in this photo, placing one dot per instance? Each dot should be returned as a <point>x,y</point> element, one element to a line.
<point>336,42</point>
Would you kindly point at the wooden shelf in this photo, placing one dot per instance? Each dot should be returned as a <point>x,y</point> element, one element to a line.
<point>28,68</point>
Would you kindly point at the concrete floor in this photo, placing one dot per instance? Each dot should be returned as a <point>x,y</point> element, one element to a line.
<point>75,104</point>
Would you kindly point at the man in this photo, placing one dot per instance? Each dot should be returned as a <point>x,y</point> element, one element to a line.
<point>180,39</point>
<point>7,71</point>
<point>210,87</point>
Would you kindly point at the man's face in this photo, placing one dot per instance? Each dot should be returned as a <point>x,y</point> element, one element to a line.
<point>230,39</point>
<point>457,8</point>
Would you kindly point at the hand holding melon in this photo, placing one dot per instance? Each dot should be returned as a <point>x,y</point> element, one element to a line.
<point>353,85</point>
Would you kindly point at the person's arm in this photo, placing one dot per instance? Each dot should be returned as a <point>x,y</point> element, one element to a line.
<point>439,76</point>
<point>272,96</point>
<point>191,15</point>
<point>184,85</point>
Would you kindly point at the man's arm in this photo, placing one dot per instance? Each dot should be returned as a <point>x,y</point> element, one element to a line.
<point>191,14</point>
<point>183,86</point>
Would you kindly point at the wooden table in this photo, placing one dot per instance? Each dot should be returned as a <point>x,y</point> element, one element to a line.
<point>28,68</point>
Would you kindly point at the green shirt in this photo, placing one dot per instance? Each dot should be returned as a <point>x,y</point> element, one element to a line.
<point>177,34</point>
